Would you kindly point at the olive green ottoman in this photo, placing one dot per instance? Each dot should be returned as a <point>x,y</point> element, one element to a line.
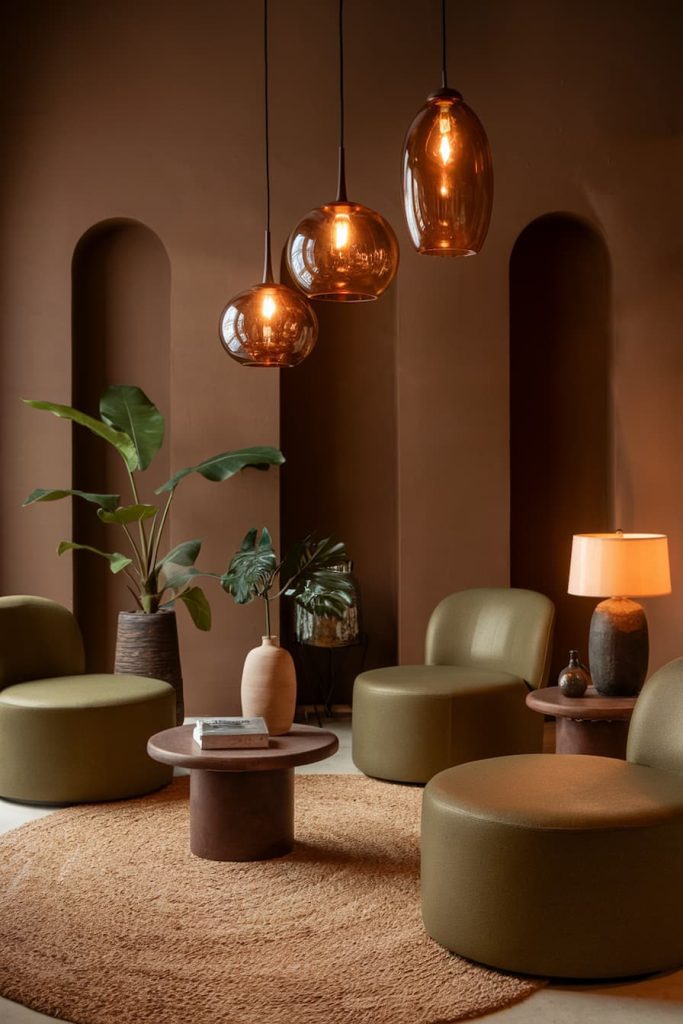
<point>564,865</point>
<point>80,738</point>
<point>67,736</point>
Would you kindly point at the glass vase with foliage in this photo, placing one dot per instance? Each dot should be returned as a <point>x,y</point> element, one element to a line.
<point>134,427</point>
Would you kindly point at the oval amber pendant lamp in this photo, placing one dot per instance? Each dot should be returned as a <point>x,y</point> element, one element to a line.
<point>269,324</point>
<point>447,174</point>
<point>343,251</point>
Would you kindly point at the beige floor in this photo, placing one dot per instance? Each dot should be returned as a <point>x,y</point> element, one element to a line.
<point>653,1001</point>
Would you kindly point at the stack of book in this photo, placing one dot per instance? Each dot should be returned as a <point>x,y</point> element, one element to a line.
<point>230,733</point>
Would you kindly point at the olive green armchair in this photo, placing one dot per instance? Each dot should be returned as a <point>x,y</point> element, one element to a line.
<point>564,865</point>
<point>485,648</point>
<point>67,736</point>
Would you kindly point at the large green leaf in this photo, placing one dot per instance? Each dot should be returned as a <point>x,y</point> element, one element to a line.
<point>309,556</point>
<point>108,501</point>
<point>175,579</point>
<point>128,409</point>
<point>117,438</point>
<point>308,571</point>
<point>117,561</point>
<point>222,467</point>
<point>196,603</point>
<point>324,593</point>
<point>127,513</point>
<point>182,554</point>
<point>250,573</point>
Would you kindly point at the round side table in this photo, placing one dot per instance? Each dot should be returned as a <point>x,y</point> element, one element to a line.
<point>242,801</point>
<point>591,724</point>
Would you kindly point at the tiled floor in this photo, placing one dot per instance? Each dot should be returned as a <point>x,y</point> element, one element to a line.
<point>656,1000</point>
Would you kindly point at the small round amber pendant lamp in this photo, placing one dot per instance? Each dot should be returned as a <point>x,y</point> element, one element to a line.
<point>447,178</point>
<point>343,252</point>
<point>268,325</point>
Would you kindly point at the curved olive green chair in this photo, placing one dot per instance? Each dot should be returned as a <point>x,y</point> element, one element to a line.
<point>564,865</point>
<point>67,736</point>
<point>485,648</point>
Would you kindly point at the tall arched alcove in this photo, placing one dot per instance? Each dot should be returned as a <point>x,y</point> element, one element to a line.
<point>560,411</point>
<point>338,435</point>
<point>121,288</point>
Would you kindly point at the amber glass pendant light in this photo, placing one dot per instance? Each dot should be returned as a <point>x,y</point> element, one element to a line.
<point>447,173</point>
<point>269,324</point>
<point>342,251</point>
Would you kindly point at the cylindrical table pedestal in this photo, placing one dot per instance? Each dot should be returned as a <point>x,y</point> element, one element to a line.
<point>605,738</point>
<point>240,816</point>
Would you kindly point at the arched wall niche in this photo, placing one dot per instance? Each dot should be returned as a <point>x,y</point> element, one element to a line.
<point>121,289</point>
<point>560,411</point>
<point>338,432</point>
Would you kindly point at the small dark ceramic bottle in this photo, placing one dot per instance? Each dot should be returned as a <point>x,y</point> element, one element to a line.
<point>573,680</point>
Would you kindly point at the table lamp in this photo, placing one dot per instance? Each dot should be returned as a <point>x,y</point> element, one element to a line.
<point>619,566</point>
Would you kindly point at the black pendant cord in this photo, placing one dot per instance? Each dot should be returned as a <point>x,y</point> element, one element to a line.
<point>267,261</point>
<point>341,182</point>
<point>444,82</point>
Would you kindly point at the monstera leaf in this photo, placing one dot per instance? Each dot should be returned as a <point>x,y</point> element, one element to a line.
<point>251,570</point>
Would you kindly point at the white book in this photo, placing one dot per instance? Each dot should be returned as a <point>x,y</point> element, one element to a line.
<point>230,733</point>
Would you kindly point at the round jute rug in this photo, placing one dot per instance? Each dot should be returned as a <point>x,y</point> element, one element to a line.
<point>107,918</point>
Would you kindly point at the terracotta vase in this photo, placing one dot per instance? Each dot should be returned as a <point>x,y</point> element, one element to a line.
<point>147,645</point>
<point>269,685</point>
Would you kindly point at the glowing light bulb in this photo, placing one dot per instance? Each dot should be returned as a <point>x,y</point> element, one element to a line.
<point>342,230</point>
<point>446,140</point>
<point>268,307</point>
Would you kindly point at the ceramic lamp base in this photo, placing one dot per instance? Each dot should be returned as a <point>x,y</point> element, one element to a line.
<point>618,647</point>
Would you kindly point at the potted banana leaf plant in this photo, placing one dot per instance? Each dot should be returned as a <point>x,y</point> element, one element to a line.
<point>308,575</point>
<point>147,639</point>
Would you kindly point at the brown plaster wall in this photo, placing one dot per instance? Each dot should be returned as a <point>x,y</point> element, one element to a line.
<point>151,112</point>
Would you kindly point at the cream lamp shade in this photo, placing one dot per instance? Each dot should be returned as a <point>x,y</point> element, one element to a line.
<point>619,565</point>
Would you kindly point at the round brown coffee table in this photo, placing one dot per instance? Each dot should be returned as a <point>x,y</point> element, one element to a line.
<point>591,724</point>
<point>242,801</point>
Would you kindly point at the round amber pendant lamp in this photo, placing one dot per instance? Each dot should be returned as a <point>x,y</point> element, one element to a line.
<point>343,252</point>
<point>268,325</point>
<point>447,178</point>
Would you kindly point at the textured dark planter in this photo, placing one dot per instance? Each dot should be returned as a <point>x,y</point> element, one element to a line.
<point>618,647</point>
<point>147,645</point>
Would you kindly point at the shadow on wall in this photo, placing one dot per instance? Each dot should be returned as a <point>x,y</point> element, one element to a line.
<point>121,290</point>
<point>560,411</point>
<point>338,434</point>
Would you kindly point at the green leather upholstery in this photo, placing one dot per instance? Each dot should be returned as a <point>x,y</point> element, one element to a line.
<point>498,628</point>
<point>564,865</point>
<point>38,638</point>
<point>72,737</point>
<point>484,648</point>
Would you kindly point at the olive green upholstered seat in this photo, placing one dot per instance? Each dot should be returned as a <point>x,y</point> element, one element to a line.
<point>564,865</point>
<point>67,736</point>
<point>484,649</point>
